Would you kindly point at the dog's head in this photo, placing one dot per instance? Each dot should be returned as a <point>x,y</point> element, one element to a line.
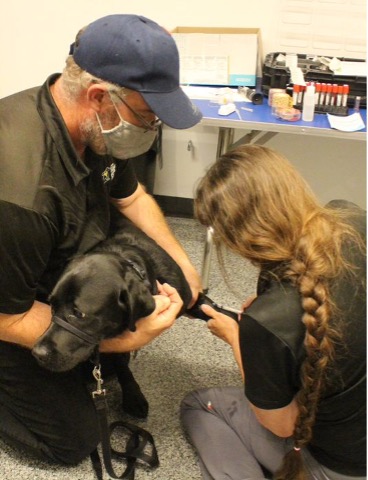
<point>100,295</point>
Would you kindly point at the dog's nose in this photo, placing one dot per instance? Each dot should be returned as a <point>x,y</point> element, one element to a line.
<point>41,353</point>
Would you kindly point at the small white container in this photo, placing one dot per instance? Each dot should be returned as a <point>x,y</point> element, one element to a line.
<point>308,104</point>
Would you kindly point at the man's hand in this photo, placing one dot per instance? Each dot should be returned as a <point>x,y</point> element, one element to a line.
<point>168,306</point>
<point>195,282</point>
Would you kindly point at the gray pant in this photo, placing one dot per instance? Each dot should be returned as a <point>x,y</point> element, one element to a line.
<point>231,443</point>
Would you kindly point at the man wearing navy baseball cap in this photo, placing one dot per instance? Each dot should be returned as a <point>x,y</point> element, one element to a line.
<point>67,151</point>
<point>134,52</point>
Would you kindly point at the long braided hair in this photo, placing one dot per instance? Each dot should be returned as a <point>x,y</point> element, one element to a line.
<point>262,209</point>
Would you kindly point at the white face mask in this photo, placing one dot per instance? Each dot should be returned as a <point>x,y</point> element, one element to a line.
<point>127,140</point>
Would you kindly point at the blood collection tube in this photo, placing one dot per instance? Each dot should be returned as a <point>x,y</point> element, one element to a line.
<point>339,96</point>
<point>333,98</point>
<point>317,93</point>
<point>296,91</point>
<point>345,93</point>
<point>322,95</point>
<point>357,104</point>
<point>328,94</point>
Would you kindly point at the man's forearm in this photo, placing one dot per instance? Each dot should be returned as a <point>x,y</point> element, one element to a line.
<point>126,342</point>
<point>147,215</point>
<point>24,329</point>
<point>144,212</point>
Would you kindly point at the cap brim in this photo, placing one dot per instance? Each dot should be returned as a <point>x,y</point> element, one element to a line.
<point>173,108</point>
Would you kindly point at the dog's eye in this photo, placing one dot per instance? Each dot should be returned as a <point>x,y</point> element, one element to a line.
<point>78,313</point>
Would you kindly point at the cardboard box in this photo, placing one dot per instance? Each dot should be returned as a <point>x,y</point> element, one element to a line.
<point>218,56</point>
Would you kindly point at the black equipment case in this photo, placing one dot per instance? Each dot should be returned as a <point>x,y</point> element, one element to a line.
<point>276,74</point>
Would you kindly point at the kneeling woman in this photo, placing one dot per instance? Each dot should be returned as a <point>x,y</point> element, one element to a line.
<point>300,344</point>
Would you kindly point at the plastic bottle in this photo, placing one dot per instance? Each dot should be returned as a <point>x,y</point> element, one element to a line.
<point>308,104</point>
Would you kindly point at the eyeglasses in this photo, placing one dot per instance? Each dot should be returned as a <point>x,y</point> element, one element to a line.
<point>153,126</point>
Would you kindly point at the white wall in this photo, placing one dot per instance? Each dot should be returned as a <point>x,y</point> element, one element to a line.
<point>35,35</point>
<point>35,38</point>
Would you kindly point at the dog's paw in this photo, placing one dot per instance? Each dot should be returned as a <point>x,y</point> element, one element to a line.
<point>134,402</point>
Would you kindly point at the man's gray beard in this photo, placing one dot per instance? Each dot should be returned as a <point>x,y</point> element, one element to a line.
<point>92,136</point>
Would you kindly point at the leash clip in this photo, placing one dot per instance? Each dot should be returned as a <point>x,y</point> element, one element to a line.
<point>98,377</point>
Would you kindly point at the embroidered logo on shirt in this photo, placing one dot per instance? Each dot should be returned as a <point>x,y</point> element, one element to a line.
<point>109,173</point>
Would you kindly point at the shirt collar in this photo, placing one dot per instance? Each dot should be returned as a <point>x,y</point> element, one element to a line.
<point>55,125</point>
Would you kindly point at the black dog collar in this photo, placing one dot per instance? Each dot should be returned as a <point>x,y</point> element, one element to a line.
<point>140,272</point>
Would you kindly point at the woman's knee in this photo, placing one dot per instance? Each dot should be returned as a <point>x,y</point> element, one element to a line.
<point>195,400</point>
<point>190,401</point>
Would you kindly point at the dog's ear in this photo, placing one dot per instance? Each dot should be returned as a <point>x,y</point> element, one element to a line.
<point>138,302</point>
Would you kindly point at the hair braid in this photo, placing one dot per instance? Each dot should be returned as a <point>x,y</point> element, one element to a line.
<point>319,347</point>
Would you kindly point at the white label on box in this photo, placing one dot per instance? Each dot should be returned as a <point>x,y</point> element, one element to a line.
<point>217,58</point>
<point>203,69</point>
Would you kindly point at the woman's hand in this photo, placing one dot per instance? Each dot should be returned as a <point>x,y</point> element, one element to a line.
<point>248,302</point>
<point>222,326</point>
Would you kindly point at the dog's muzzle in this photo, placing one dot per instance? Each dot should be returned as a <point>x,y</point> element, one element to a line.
<point>75,331</point>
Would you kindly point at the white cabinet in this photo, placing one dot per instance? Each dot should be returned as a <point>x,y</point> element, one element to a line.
<point>334,168</point>
<point>186,155</point>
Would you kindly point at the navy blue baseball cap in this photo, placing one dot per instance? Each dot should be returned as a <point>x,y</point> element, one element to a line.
<point>135,52</point>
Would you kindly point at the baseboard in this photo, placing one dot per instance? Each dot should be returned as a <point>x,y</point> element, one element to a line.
<point>175,206</point>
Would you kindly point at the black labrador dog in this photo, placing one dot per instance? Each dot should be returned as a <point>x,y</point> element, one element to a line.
<point>102,293</point>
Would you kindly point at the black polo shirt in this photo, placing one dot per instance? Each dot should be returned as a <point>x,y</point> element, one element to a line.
<point>271,342</point>
<point>52,204</point>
